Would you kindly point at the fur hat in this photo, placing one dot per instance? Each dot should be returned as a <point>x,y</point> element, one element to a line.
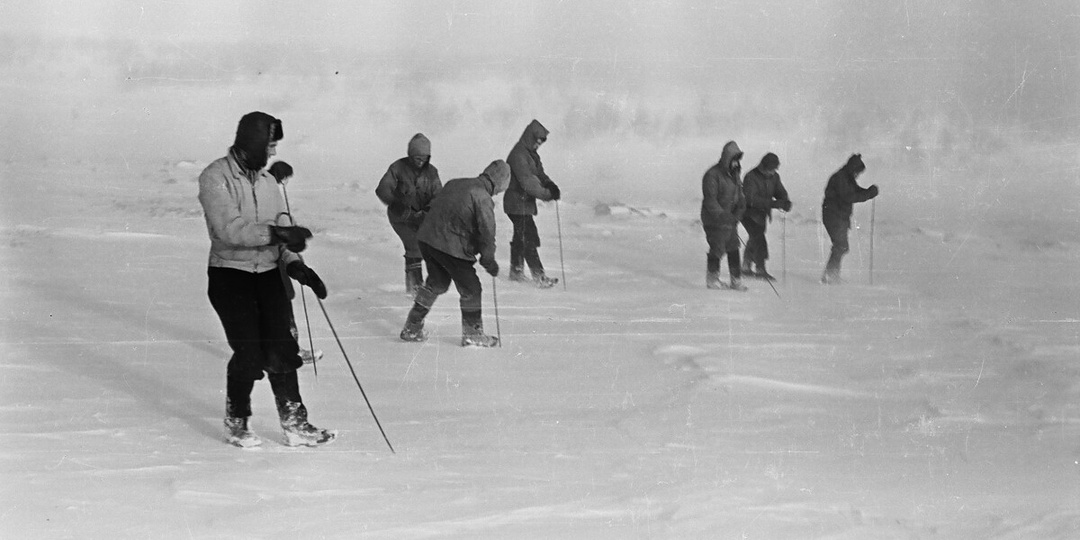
<point>254,134</point>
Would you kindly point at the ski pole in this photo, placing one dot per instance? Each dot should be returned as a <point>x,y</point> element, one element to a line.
<point>783,247</point>
<point>872,212</point>
<point>303,297</point>
<point>495,298</point>
<point>355,378</point>
<point>558,223</point>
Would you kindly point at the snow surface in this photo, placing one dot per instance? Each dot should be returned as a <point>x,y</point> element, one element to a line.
<point>940,402</point>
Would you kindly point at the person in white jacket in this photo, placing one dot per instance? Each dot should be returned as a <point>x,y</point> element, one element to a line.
<point>250,231</point>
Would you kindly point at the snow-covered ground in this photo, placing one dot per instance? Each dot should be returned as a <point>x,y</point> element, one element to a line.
<point>943,401</point>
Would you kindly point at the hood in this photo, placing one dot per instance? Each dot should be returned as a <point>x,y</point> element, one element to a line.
<point>730,153</point>
<point>497,175</point>
<point>855,164</point>
<point>535,130</point>
<point>253,135</point>
<point>419,145</point>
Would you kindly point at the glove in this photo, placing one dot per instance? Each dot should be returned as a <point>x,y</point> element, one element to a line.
<point>873,191</point>
<point>491,265</point>
<point>555,193</point>
<point>295,238</point>
<point>304,275</point>
<point>783,205</point>
<point>281,171</point>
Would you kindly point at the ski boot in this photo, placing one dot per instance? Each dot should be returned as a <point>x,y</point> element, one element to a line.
<point>712,280</point>
<point>413,332</point>
<point>472,335</point>
<point>238,434</point>
<point>831,278</point>
<point>517,273</point>
<point>298,432</point>
<point>762,274</point>
<point>544,282</point>
<point>736,285</point>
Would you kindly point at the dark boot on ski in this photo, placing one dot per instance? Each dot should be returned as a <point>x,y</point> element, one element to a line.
<point>831,278</point>
<point>762,274</point>
<point>298,432</point>
<point>517,273</point>
<point>712,280</point>
<point>472,335</point>
<point>736,285</point>
<point>413,332</point>
<point>238,434</point>
<point>544,282</point>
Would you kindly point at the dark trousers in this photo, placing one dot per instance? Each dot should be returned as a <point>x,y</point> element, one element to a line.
<point>757,247</point>
<point>444,269</point>
<point>523,245</point>
<point>723,240</point>
<point>257,316</point>
<point>838,228</point>
<point>407,233</point>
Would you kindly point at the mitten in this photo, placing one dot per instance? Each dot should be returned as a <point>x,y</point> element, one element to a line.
<point>295,238</point>
<point>555,193</point>
<point>304,275</point>
<point>281,171</point>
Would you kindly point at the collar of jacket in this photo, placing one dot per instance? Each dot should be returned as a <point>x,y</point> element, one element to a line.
<point>236,165</point>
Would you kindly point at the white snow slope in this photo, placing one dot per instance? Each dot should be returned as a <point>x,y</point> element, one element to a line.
<point>939,402</point>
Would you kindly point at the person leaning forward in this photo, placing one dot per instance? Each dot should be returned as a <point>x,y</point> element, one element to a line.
<point>459,226</point>
<point>763,191</point>
<point>407,188</point>
<point>528,182</point>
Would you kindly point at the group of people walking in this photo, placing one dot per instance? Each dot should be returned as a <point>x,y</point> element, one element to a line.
<point>255,247</point>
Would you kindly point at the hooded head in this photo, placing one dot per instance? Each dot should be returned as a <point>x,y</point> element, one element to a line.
<point>730,159</point>
<point>498,172</point>
<point>254,134</point>
<point>535,134</point>
<point>855,164</point>
<point>419,150</point>
<point>770,162</point>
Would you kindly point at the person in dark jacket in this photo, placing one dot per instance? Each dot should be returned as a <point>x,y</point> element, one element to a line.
<point>763,191</point>
<point>407,189</point>
<point>250,232</point>
<point>459,226</point>
<point>840,194</point>
<point>722,207</point>
<point>528,182</point>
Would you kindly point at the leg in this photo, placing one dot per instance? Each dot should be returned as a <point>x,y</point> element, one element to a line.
<point>468,286</point>
<point>232,294</point>
<point>712,258</point>
<point>414,270</point>
<point>838,234</point>
<point>437,283</point>
<point>517,248</point>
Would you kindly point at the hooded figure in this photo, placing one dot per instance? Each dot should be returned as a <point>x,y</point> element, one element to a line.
<point>459,226</point>
<point>722,207</point>
<point>528,182</point>
<point>407,189</point>
<point>250,234</point>
<point>763,191</point>
<point>841,193</point>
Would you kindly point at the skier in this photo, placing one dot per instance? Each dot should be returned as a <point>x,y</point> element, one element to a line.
<point>722,207</point>
<point>460,225</point>
<point>528,182</point>
<point>282,172</point>
<point>763,191</point>
<point>249,233</point>
<point>407,189</point>
<point>840,194</point>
